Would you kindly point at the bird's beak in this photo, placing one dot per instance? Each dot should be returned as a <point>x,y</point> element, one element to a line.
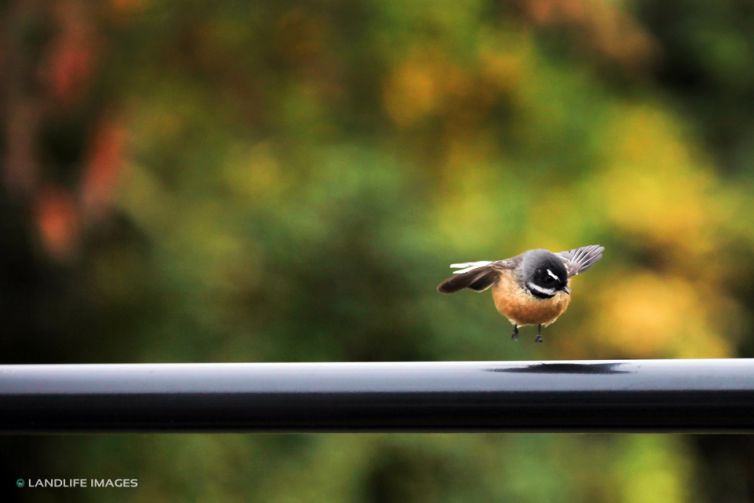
<point>567,290</point>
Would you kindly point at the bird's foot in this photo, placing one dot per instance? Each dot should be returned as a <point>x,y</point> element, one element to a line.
<point>539,334</point>
<point>514,336</point>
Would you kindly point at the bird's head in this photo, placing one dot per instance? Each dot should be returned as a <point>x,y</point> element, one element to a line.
<point>544,274</point>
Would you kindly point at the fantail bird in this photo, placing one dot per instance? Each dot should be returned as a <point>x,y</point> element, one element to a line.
<point>528,289</point>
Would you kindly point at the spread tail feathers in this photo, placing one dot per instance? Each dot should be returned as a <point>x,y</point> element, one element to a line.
<point>478,276</point>
<point>468,266</point>
<point>579,260</point>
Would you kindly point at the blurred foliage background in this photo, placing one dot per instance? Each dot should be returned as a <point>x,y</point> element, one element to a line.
<point>288,181</point>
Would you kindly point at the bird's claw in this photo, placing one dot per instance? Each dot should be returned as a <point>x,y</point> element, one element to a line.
<point>539,334</point>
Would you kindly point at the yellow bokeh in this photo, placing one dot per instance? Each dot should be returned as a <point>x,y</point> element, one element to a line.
<point>415,88</point>
<point>254,172</point>
<point>654,189</point>
<point>646,315</point>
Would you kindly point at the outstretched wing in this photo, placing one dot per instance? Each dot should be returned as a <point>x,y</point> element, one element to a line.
<point>579,260</point>
<point>477,276</point>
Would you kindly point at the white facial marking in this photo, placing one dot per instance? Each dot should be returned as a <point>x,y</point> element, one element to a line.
<point>543,291</point>
<point>553,275</point>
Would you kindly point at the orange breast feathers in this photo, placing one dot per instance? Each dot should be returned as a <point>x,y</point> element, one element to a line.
<point>521,307</point>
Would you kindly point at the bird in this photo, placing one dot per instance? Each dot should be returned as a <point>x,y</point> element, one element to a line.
<point>531,288</point>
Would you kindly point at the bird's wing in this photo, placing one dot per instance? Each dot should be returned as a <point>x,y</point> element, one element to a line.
<point>579,260</point>
<point>478,276</point>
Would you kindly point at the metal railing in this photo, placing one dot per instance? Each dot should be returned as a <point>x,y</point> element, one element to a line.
<point>625,395</point>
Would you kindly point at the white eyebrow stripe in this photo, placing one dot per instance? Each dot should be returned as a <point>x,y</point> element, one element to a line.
<point>552,274</point>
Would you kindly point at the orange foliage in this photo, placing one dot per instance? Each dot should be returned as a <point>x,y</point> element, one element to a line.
<point>58,222</point>
<point>104,162</point>
<point>74,52</point>
<point>416,88</point>
<point>601,26</point>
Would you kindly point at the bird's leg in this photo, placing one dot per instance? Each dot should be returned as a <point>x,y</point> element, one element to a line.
<point>514,336</point>
<point>539,334</point>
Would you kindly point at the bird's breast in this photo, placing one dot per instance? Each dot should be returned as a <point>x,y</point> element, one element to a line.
<point>522,308</point>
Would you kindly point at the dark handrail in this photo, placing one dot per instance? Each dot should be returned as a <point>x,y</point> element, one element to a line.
<point>627,395</point>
